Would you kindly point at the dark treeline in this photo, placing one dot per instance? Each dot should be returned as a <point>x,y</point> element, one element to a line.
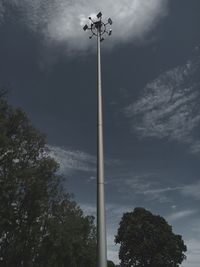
<point>40,224</point>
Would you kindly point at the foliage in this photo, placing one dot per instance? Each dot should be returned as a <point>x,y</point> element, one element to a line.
<point>110,264</point>
<point>39,224</point>
<point>69,238</point>
<point>147,240</point>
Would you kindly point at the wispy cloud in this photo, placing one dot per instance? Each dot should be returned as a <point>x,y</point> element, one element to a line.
<point>194,225</point>
<point>1,11</point>
<point>195,147</point>
<point>192,190</point>
<point>186,190</point>
<point>161,194</point>
<point>72,160</point>
<point>76,160</point>
<point>150,187</point>
<point>145,186</point>
<point>160,190</point>
<point>62,20</point>
<point>169,106</point>
<point>181,214</point>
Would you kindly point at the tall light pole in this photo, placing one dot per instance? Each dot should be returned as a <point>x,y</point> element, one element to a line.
<point>98,29</point>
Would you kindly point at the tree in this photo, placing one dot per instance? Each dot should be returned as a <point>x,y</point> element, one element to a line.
<point>110,264</point>
<point>70,238</point>
<point>36,215</point>
<point>147,240</point>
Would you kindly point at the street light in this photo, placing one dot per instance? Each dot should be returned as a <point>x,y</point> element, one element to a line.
<point>98,29</point>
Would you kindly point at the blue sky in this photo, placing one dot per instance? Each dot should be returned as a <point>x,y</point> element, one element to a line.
<point>151,83</point>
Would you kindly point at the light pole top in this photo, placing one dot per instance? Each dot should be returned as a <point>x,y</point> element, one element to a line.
<point>98,27</point>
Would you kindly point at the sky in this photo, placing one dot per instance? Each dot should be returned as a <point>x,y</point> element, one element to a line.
<point>151,82</point>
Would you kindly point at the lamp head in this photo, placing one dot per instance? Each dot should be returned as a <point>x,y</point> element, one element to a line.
<point>85,27</point>
<point>110,21</point>
<point>99,15</point>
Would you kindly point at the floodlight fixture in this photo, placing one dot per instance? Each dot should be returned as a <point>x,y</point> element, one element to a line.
<point>85,27</point>
<point>110,21</point>
<point>98,27</point>
<point>99,15</point>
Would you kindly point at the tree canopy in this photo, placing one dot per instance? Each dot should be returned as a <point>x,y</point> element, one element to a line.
<point>147,240</point>
<point>40,225</point>
<point>110,264</point>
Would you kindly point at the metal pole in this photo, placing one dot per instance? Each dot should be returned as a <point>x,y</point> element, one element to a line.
<point>98,28</point>
<point>101,219</point>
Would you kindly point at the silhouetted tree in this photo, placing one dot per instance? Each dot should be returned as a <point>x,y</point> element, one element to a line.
<point>147,240</point>
<point>39,224</point>
<point>110,264</point>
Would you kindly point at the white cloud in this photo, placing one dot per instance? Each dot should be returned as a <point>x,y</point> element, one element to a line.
<point>72,160</point>
<point>62,20</point>
<point>181,214</point>
<point>169,107</point>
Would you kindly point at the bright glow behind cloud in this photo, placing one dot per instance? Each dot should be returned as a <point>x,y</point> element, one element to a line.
<point>62,20</point>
